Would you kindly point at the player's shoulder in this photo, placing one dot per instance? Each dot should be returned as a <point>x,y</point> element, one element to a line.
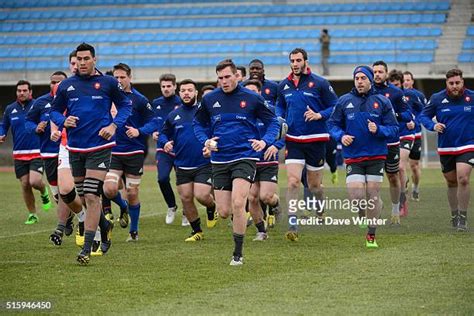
<point>157,101</point>
<point>140,96</point>
<point>45,98</point>
<point>270,84</point>
<point>438,96</point>
<point>11,106</point>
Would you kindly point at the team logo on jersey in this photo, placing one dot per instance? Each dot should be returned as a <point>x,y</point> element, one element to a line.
<point>97,85</point>
<point>467,99</point>
<point>407,98</point>
<point>376,105</point>
<point>311,84</point>
<point>387,95</point>
<point>243,104</point>
<point>267,91</point>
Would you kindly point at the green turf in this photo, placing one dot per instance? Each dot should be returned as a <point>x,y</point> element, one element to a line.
<point>422,267</point>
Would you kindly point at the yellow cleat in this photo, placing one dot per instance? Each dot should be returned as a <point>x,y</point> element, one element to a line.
<point>79,239</point>
<point>195,237</point>
<point>211,223</point>
<point>395,220</point>
<point>271,221</point>
<point>291,235</point>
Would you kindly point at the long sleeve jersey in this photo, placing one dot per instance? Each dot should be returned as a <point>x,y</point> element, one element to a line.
<point>233,118</point>
<point>399,104</point>
<point>39,112</point>
<point>351,116</point>
<point>270,91</point>
<point>279,144</point>
<point>417,101</point>
<point>178,127</point>
<point>90,98</point>
<point>457,114</point>
<point>311,91</point>
<point>25,146</point>
<point>142,114</point>
<point>162,107</point>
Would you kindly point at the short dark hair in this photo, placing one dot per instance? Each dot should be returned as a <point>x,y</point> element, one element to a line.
<point>395,75</point>
<point>297,51</point>
<point>409,73</point>
<point>85,47</point>
<point>254,82</point>
<point>380,63</point>
<point>23,82</point>
<point>72,54</point>
<point>109,73</point>
<point>243,70</point>
<point>453,73</point>
<point>124,67</point>
<point>207,87</point>
<point>168,77</point>
<point>188,81</point>
<point>226,63</point>
<point>325,31</point>
<point>256,61</point>
<point>59,73</point>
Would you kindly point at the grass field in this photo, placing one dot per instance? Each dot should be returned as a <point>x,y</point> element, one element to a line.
<point>422,267</point>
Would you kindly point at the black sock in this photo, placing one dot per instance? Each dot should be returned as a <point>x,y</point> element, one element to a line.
<point>88,240</point>
<point>238,242</point>
<point>210,212</point>
<point>61,227</point>
<point>81,228</point>
<point>463,214</point>
<point>261,227</point>
<point>372,230</point>
<point>104,227</point>
<point>196,225</point>
<point>168,193</point>
<point>106,204</point>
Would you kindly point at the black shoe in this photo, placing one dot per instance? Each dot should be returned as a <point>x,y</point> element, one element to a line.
<point>123,219</point>
<point>455,220</point>
<point>83,257</point>
<point>56,237</point>
<point>462,223</point>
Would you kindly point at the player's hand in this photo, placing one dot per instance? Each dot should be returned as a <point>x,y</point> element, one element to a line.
<point>439,127</point>
<point>372,126</point>
<point>258,145</point>
<point>2,138</point>
<point>168,146</point>
<point>310,115</point>
<point>108,131</point>
<point>346,140</point>
<point>40,127</point>
<point>55,136</point>
<point>132,132</point>
<point>71,121</point>
<point>155,135</point>
<point>270,153</point>
<point>211,143</point>
<point>411,125</point>
<point>206,152</point>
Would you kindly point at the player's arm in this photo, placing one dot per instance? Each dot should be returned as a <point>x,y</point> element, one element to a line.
<point>123,105</point>
<point>404,113</point>
<point>201,123</point>
<point>329,100</point>
<point>4,126</point>
<point>32,119</point>
<point>280,106</point>
<point>427,115</point>
<point>268,117</point>
<point>336,122</point>
<point>58,107</point>
<point>389,127</point>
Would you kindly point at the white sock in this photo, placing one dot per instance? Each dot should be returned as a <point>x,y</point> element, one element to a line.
<point>396,208</point>
<point>81,216</point>
<point>415,187</point>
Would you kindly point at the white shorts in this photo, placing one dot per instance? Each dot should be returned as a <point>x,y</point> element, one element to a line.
<point>63,159</point>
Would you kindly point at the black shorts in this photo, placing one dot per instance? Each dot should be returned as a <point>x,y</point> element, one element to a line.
<point>132,164</point>
<point>312,154</point>
<point>415,152</point>
<point>198,175</point>
<point>95,160</point>
<point>23,167</point>
<point>224,173</point>
<point>267,173</point>
<point>51,170</point>
<point>448,162</point>
<point>392,164</point>
<point>406,144</point>
<point>365,171</point>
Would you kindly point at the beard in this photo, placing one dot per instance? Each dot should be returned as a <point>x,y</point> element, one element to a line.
<point>191,102</point>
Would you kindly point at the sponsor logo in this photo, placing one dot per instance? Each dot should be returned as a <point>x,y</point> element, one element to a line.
<point>445,101</point>
<point>158,107</point>
<point>70,88</point>
<point>274,178</point>
<point>47,106</point>
<point>14,111</point>
<point>286,87</point>
<point>350,106</point>
<point>97,97</point>
<point>177,117</point>
<point>102,165</point>
<point>216,105</point>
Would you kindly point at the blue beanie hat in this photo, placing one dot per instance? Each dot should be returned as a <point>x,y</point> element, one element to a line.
<point>366,70</point>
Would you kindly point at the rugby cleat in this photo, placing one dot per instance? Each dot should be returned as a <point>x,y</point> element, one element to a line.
<point>195,237</point>
<point>45,200</point>
<point>260,236</point>
<point>395,220</point>
<point>291,235</point>
<point>370,242</point>
<point>236,261</point>
<point>69,229</point>
<point>32,219</point>
<point>170,215</point>
<point>211,223</point>
<point>83,258</point>
<point>56,237</point>
<point>124,219</point>
<point>133,236</point>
